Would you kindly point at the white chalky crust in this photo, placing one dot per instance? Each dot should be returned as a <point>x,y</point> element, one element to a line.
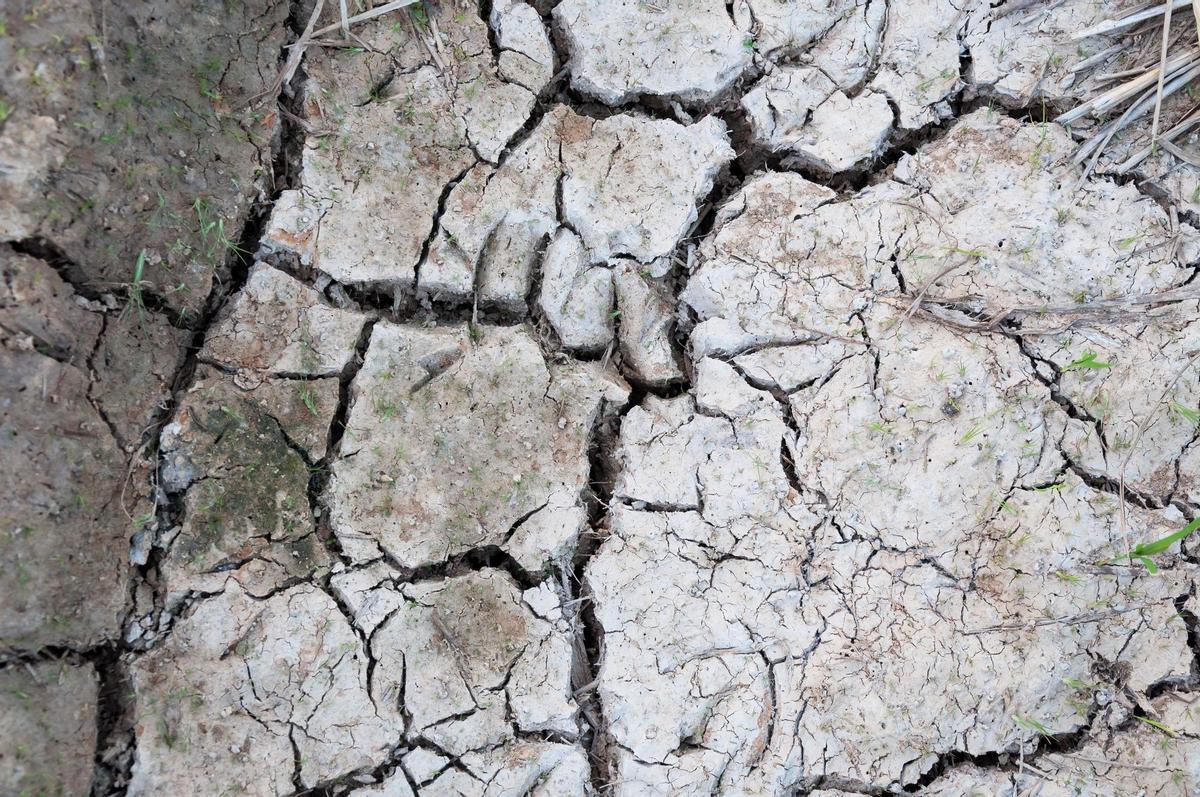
<point>733,483</point>
<point>453,444</point>
<point>244,686</point>
<point>689,50</point>
<point>785,572</point>
<point>279,326</point>
<point>477,662</point>
<point>371,183</point>
<point>801,112</point>
<point>853,503</point>
<point>625,186</point>
<point>632,187</point>
<point>577,297</point>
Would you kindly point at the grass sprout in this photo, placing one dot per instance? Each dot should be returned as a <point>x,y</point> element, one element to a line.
<point>1189,414</point>
<point>212,231</point>
<point>1087,362</point>
<point>309,399</point>
<point>135,301</point>
<point>1143,552</point>
<point>1157,726</point>
<point>1031,724</point>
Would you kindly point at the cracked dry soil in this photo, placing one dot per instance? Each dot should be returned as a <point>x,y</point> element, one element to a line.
<point>585,398</point>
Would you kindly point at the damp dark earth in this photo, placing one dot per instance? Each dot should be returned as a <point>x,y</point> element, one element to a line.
<point>599,397</point>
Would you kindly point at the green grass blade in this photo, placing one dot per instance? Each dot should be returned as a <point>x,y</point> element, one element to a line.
<point>1087,362</point>
<point>1157,725</point>
<point>1188,413</point>
<point>1160,545</point>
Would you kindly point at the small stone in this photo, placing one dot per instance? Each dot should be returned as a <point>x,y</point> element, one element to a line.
<point>139,547</point>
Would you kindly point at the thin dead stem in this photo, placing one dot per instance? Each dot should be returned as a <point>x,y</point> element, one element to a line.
<point>1142,89</point>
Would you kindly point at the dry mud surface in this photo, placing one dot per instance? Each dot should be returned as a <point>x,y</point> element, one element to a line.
<point>602,397</point>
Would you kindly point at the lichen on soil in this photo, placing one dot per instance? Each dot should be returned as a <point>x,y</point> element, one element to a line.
<point>592,397</point>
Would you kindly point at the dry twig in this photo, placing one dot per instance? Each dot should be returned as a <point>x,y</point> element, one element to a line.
<point>1162,74</point>
<point>364,16</point>
<point>1140,88</point>
<point>295,54</point>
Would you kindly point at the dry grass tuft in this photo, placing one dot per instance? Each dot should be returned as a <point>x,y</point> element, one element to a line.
<point>312,33</point>
<point>1144,88</point>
